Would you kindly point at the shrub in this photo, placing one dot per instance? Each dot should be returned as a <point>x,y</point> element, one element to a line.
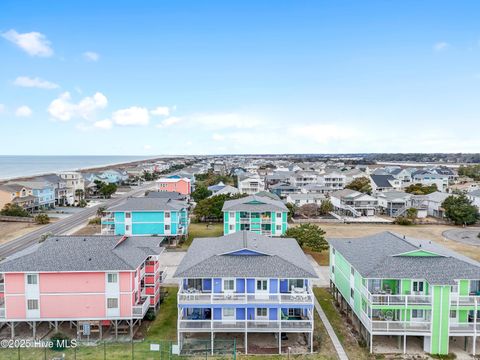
<point>150,315</point>
<point>60,341</point>
<point>14,210</point>
<point>401,220</point>
<point>82,203</point>
<point>42,219</point>
<point>94,221</point>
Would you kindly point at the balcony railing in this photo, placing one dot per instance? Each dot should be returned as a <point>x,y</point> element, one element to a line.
<point>394,326</point>
<point>396,299</point>
<point>140,310</point>
<point>465,328</point>
<point>246,325</point>
<point>244,298</point>
<point>468,300</point>
<point>2,287</point>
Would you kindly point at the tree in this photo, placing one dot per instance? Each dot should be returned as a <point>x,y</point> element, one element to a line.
<point>308,236</point>
<point>79,193</point>
<point>211,208</point>
<point>14,210</point>
<point>419,189</point>
<point>42,219</point>
<point>292,209</point>
<point>460,210</point>
<point>326,207</point>
<point>412,213</point>
<point>200,193</point>
<point>101,210</point>
<point>107,190</point>
<point>361,184</point>
<point>308,210</point>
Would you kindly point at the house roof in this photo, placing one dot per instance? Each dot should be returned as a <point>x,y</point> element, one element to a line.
<point>384,255</point>
<point>227,189</point>
<point>475,193</point>
<point>394,195</point>
<point>382,181</point>
<point>165,195</point>
<point>266,257</point>
<point>254,203</point>
<point>307,196</point>
<point>84,253</point>
<point>11,187</point>
<point>437,196</point>
<point>350,194</point>
<point>148,204</point>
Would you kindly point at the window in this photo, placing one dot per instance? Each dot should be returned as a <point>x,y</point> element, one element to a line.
<point>32,279</point>
<point>453,314</point>
<point>279,227</point>
<point>333,251</point>
<point>333,269</point>
<point>194,284</point>
<point>295,312</point>
<point>228,284</point>
<point>352,293</point>
<point>228,313</point>
<point>352,271</point>
<point>417,286</point>
<point>112,303</point>
<point>262,285</point>
<point>279,215</point>
<point>232,214</point>
<point>295,283</point>
<point>417,314</point>
<point>167,215</point>
<point>262,313</point>
<point>128,215</point>
<point>232,227</point>
<point>167,227</point>
<point>112,278</point>
<point>127,227</point>
<point>32,304</point>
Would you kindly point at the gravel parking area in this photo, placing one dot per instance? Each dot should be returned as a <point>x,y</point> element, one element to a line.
<point>170,260</point>
<point>464,235</point>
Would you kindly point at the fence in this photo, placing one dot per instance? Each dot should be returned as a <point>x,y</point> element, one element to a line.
<point>16,219</point>
<point>138,350</point>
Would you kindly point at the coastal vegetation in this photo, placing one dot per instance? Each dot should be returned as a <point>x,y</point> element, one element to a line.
<point>419,189</point>
<point>42,219</point>
<point>210,209</point>
<point>460,210</point>
<point>309,237</point>
<point>14,210</point>
<point>361,184</point>
<point>472,171</point>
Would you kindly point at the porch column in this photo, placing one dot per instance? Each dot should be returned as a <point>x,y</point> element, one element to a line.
<point>405,343</point>
<point>311,342</point>
<point>34,329</point>
<point>211,336</point>
<point>280,343</point>
<point>371,343</point>
<point>246,343</point>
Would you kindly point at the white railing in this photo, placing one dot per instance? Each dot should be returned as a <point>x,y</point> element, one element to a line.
<point>140,310</point>
<point>142,272</point>
<point>244,298</point>
<point>395,299</point>
<point>464,328</point>
<point>163,274</point>
<point>400,326</point>
<point>245,325</point>
<point>465,300</point>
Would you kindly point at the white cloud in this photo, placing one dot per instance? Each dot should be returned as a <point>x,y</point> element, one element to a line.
<point>441,46</point>
<point>33,43</point>
<point>131,116</point>
<point>169,122</point>
<point>64,109</point>
<point>105,124</point>
<point>23,111</point>
<point>91,56</point>
<point>161,111</point>
<point>36,82</point>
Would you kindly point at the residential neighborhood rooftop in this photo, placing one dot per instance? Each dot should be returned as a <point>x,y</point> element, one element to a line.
<point>148,204</point>
<point>254,203</point>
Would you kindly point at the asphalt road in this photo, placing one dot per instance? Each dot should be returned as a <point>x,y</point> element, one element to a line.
<point>62,226</point>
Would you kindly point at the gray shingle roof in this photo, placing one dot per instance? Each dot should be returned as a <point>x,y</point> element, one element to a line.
<point>209,257</point>
<point>376,256</point>
<point>166,195</point>
<point>79,253</point>
<point>254,203</point>
<point>382,181</point>
<point>148,204</point>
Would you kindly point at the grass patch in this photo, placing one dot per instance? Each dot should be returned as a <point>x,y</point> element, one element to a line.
<point>198,230</point>
<point>164,327</point>
<point>322,258</point>
<point>349,342</point>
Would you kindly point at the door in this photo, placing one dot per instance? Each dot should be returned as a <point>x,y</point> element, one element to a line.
<point>128,223</point>
<point>32,295</point>
<point>418,287</point>
<point>261,289</point>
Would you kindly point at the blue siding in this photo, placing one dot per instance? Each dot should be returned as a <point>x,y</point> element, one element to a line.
<point>119,217</point>
<point>217,313</point>
<point>240,314</point>
<point>217,285</point>
<point>273,314</point>
<point>147,216</point>
<point>250,285</point>
<point>273,286</point>
<point>246,252</point>
<point>250,314</point>
<point>174,216</point>
<point>147,229</point>
<point>207,284</point>
<point>240,285</point>
<point>173,229</point>
<point>283,286</point>
<point>120,229</point>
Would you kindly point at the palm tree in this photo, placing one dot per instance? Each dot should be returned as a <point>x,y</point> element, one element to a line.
<point>79,194</point>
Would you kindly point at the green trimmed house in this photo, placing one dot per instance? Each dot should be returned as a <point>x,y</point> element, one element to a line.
<point>260,214</point>
<point>408,288</point>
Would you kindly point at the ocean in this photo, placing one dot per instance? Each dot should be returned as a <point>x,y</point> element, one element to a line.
<point>18,166</point>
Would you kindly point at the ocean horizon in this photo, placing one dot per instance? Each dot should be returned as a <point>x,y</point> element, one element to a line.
<point>15,166</point>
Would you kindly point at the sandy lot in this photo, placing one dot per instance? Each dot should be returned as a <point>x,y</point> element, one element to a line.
<point>12,230</point>
<point>430,232</point>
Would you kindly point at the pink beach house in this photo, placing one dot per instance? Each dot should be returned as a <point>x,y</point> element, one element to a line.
<point>175,184</point>
<point>96,280</point>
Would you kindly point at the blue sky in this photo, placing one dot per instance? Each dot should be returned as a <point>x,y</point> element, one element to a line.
<point>214,77</point>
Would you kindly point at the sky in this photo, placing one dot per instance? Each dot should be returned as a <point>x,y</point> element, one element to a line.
<point>229,77</point>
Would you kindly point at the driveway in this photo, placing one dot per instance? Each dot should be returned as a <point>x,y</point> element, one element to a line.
<point>467,236</point>
<point>170,261</point>
<point>322,273</point>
